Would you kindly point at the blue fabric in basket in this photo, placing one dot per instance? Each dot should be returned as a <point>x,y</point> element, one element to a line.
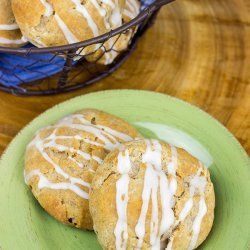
<point>15,70</point>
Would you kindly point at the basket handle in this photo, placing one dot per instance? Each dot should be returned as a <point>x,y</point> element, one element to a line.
<point>160,3</point>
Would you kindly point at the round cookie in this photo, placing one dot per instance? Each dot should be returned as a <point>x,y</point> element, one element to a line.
<point>10,35</point>
<point>54,23</point>
<point>61,161</point>
<point>150,195</point>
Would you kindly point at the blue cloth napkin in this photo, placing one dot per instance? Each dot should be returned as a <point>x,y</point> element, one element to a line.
<point>15,70</point>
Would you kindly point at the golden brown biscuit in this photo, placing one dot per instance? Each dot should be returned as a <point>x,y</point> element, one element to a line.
<point>61,161</point>
<point>150,195</point>
<point>61,22</point>
<point>10,35</point>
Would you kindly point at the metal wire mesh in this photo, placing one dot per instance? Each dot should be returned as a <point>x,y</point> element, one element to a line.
<point>76,69</point>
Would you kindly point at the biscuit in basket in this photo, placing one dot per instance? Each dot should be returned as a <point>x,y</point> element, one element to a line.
<point>54,23</point>
<point>10,35</point>
<point>116,44</point>
<point>151,195</point>
<point>61,161</point>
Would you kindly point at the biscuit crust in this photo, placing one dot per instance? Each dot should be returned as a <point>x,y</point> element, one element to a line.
<point>61,161</point>
<point>150,194</point>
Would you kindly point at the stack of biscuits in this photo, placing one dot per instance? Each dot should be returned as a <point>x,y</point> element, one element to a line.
<point>46,23</point>
<point>92,170</point>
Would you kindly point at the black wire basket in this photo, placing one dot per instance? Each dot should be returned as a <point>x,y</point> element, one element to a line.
<point>75,71</point>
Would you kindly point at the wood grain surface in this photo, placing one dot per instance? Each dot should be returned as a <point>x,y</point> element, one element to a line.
<point>198,51</point>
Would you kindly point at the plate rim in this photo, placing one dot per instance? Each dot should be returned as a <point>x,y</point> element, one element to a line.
<point>172,98</point>
<point>240,151</point>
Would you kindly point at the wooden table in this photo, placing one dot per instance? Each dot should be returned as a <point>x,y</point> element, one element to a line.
<point>198,50</point>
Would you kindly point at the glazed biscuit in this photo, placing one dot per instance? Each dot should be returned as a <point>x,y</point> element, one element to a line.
<point>151,195</point>
<point>61,161</point>
<point>10,35</point>
<point>53,23</point>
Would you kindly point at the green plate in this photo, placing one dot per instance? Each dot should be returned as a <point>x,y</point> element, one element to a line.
<point>25,225</point>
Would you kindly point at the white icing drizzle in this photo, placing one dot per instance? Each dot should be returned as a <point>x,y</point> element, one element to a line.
<point>80,165</point>
<point>171,167</point>
<point>131,9</point>
<point>132,4</point>
<point>110,3</point>
<point>115,133</point>
<point>70,37</point>
<point>48,8</point>
<point>45,183</point>
<point>200,184</point>
<point>123,166</point>
<point>52,144</point>
<point>25,40</point>
<point>81,9</point>
<point>128,13</point>
<point>197,223</point>
<point>77,137</point>
<point>102,13</point>
<point>12,26</point>
<point>101,10</point>
<point>40,44</point>
<point>4,40</point>
<point>155,178</point>
<point>186,209</point>
<point>197,183</point>
<point>116,16</point>
<point>106,134</point>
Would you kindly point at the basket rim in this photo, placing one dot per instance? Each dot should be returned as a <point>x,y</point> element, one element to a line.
<point>99,39</point>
